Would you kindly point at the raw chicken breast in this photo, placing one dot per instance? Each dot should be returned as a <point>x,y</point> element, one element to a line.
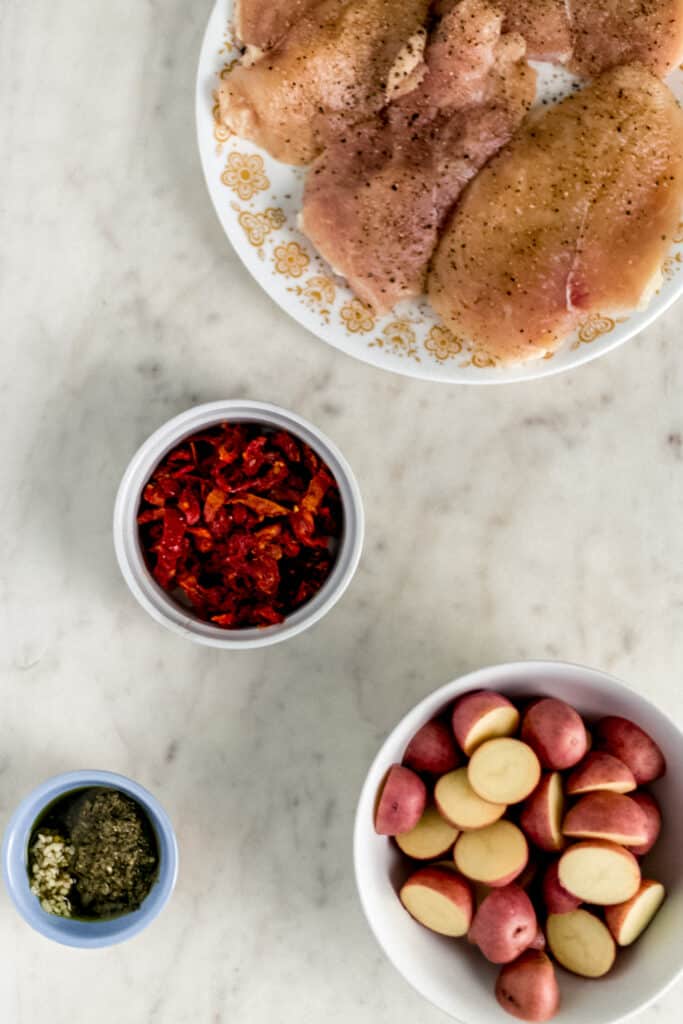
<point>544,25</point>
<point>611,32</point>
<point>375,200</point>
<point>574,216</point>
<point>331,70</point>
<point>594,35</point>
<point>263,23</point>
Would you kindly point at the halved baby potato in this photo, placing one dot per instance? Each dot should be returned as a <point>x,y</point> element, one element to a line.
<point>461,806</point>
<point>596,871</point>
<point>432,837</point>
<point>494,855</point>
<point>504,770</point>
<point>581,942</point>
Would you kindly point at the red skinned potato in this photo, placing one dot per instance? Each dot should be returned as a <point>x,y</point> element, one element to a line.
<point>607,815</point>
<point>556,733</point>
<point>653,822</point>
<point>597,871</point>
<point>542,814</point>
<point>556,898</point>
<point>439,899</point>
<point>495,855</point>
<point>632,745</point>
<point>527,988</point>
<point>538,941</point>
<point>600,770</point>
<point>628,920</point>
<point>481,716</point>
<point>401,802</point>
<point>432,749</point>
<point>504,925</point>
<point>528,876</point>
<point>432,837</point>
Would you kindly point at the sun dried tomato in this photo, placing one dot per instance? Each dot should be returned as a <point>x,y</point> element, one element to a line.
<point>241,523</point>
<point>215,500</point>
<point>287,445</point>
<point>154,495</point>
<point>261,506</point>
<point>170,546</point>
<point>189,506</point>
<point>253,456</point>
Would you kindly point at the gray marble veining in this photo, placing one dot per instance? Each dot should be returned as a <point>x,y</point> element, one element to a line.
<point>522,521</point>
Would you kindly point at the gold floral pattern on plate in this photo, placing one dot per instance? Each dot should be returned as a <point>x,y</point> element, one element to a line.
<point>317,293</point>
<point>482,360</point>
<point>357,317</point>
<point>221,133</point>
<point>595,326</point>
<point>229,41</point>
<point>400,338</point>
<point>442,344</point>
<point>257,226</point>
<point>290,259</point>
<point>245,174</point>
<point>671,266</point>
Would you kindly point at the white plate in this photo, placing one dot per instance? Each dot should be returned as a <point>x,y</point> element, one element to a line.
<point>257,200</point>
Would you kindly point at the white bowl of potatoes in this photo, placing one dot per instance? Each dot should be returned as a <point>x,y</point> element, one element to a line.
<point>517,846</point>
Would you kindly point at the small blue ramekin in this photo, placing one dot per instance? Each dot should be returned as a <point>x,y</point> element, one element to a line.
<point>86,934</point>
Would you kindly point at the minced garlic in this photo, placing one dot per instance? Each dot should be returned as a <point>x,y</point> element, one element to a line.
<point>51,878</point>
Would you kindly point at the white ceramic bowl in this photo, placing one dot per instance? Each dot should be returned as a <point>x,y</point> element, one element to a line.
<point>452,974</point>
<point>129,554</point>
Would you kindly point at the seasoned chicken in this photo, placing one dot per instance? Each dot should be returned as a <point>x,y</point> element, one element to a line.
<point>331,70</point>
<point>611,32</point>
<point>263,23</point>
<point>544,25</point>
<point>574,216</point>
<point>375,200</point>
<point>594,35</point>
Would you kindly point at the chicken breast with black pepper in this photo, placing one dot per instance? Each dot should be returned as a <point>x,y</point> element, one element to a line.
<point>376,199</point>
<point>607,33</point>
<point>574,216</point>
<point>264,23</point>
<point>331,70</point>
<point>544,24</point>
<point>591,36</point>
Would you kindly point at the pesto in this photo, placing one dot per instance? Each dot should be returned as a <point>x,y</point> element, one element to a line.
<point>103,842</point>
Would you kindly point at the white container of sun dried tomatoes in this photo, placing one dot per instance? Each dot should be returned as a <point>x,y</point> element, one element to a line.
<point>175,616</point>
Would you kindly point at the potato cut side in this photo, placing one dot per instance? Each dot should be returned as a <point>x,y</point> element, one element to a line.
<point>494,855</point>
<point>504,770</point>
<point>599,872</point>
<point>440,900</point>
<point>500,721</point>
<point>628,920</point>
<point>432,837</point>
<point>581,943</point>
<point>461,806</point>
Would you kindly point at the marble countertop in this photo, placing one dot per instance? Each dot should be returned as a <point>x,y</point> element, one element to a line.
<point>536,520</point>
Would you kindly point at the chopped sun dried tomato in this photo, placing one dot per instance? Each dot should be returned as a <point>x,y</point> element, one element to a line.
<point>241,523</point>
<point>189,506</point>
